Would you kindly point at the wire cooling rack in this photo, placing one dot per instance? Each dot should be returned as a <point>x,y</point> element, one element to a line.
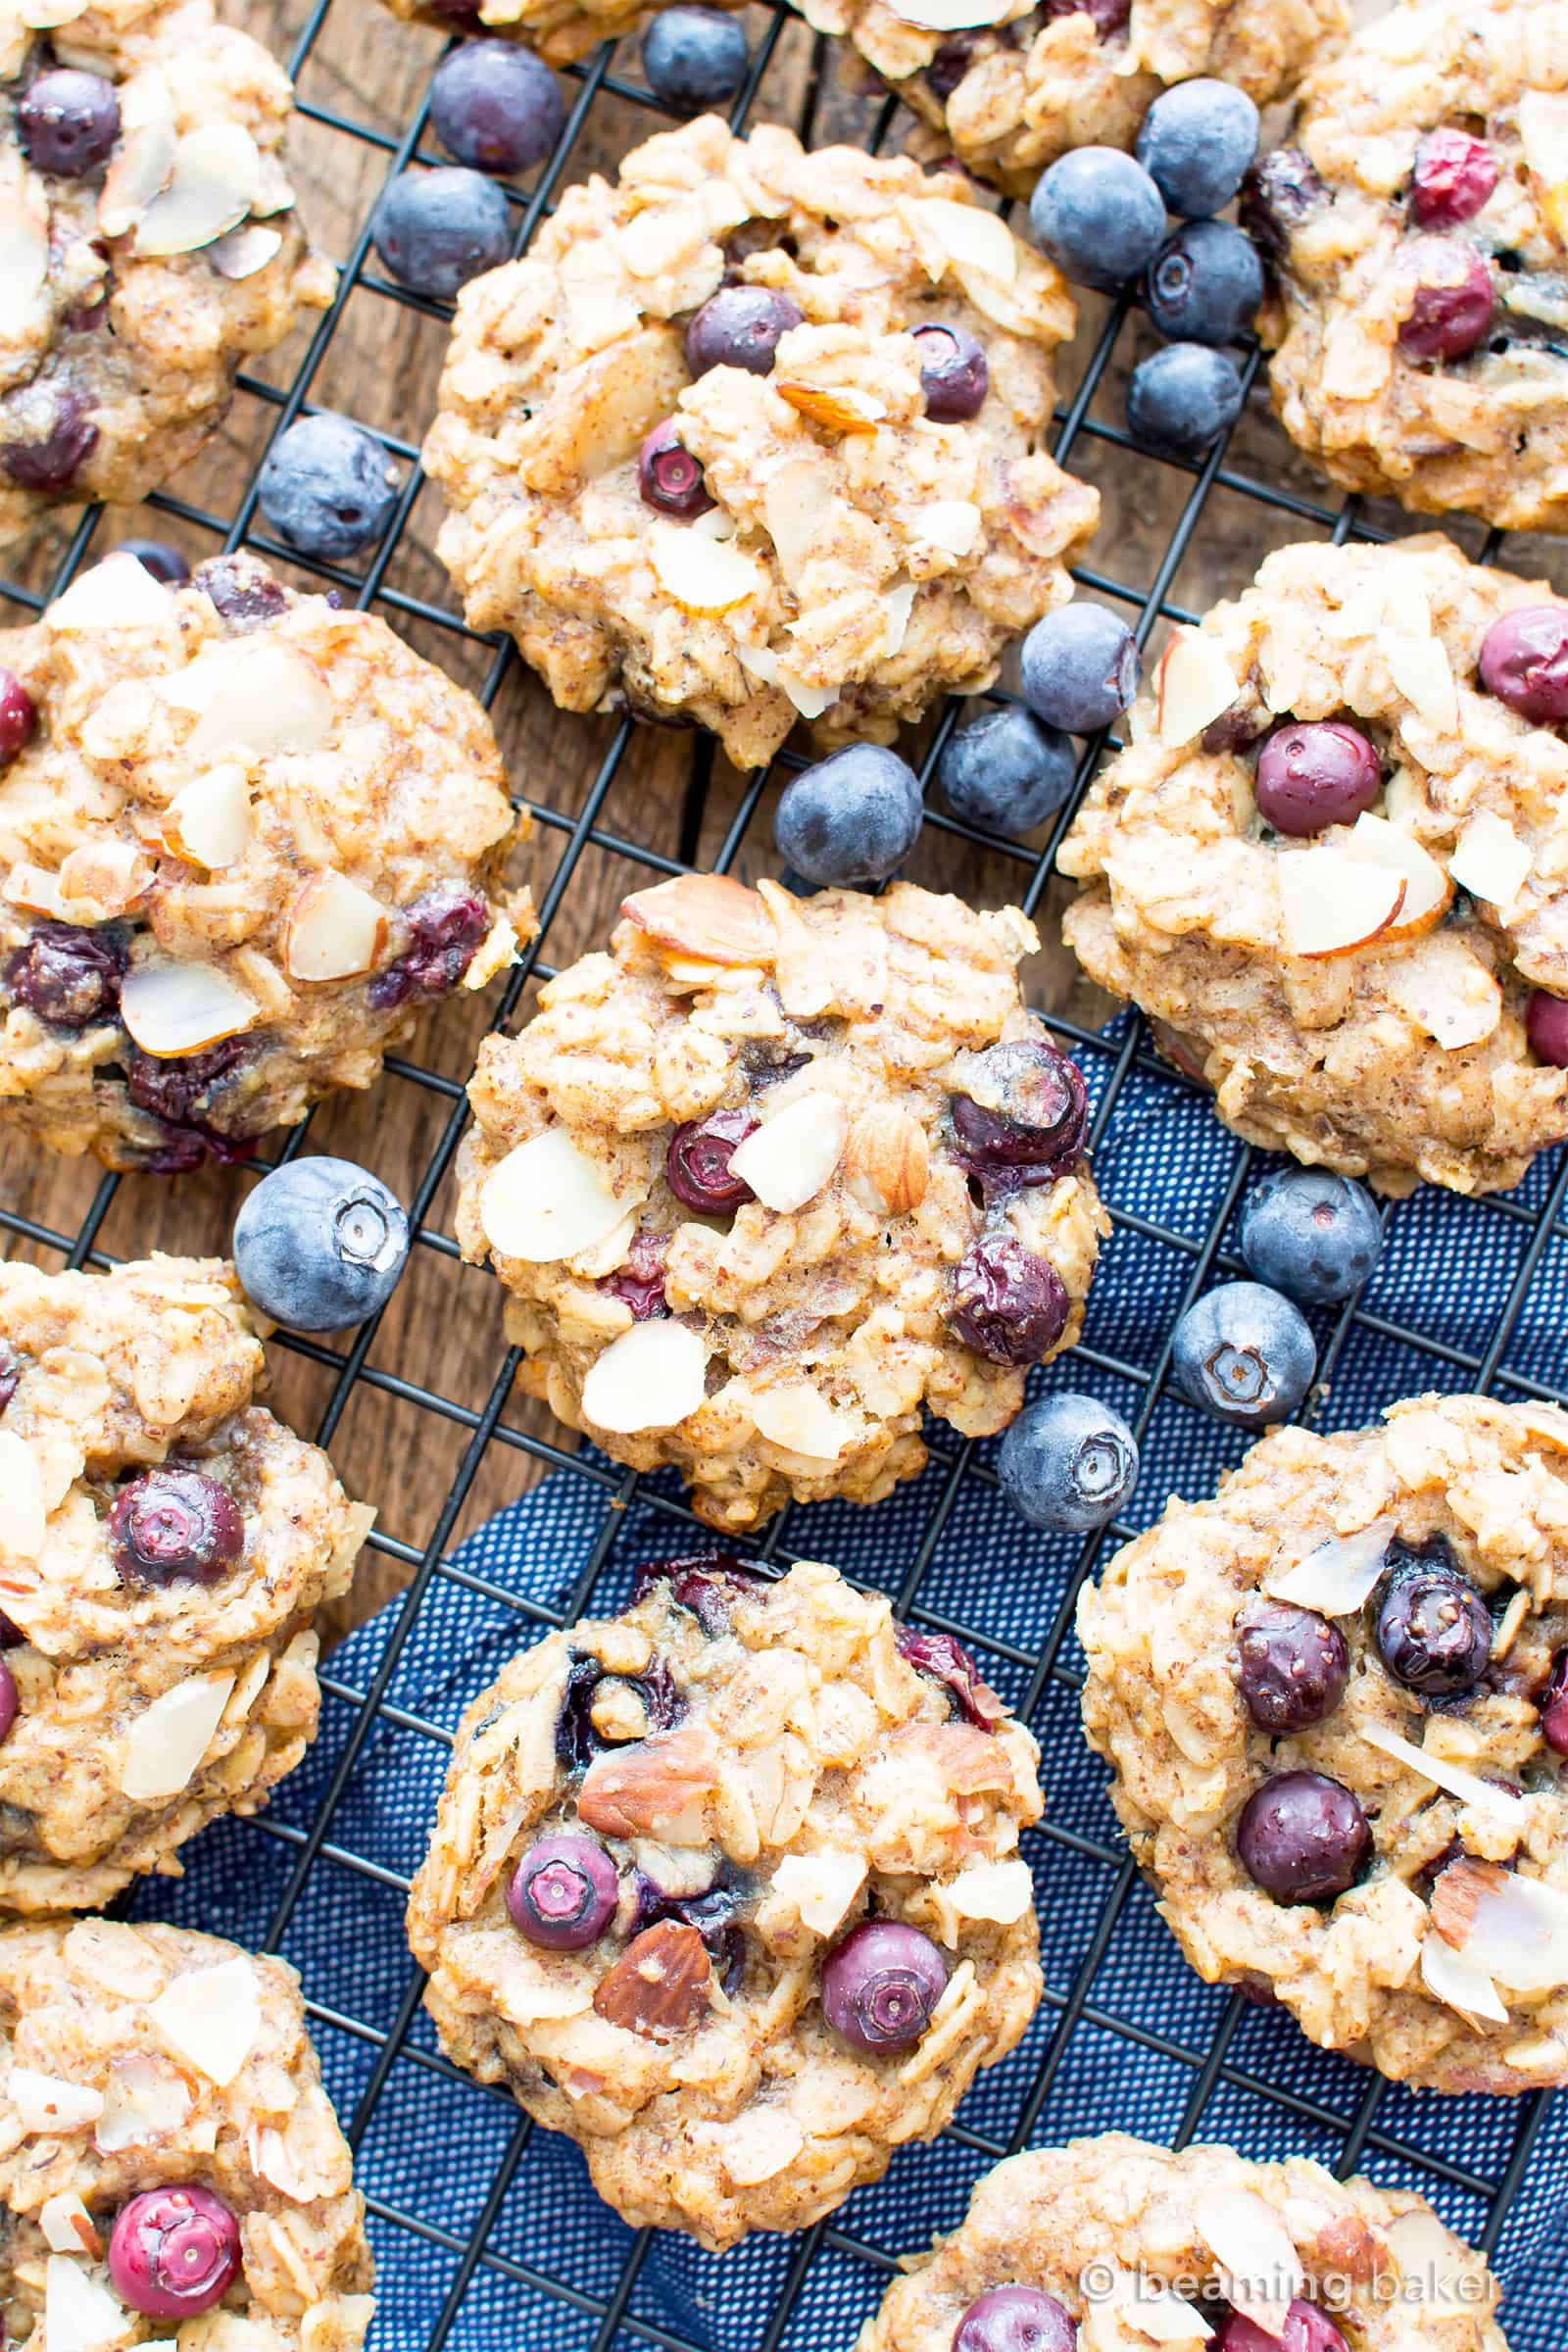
<point>1173,1181</point>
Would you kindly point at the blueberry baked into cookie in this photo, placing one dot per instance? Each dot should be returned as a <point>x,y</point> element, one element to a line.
<point>1334,1698</point>
<point>728,1888</point>
<point>164,1549</point>
<point>244,839</point>
<point>1131,2244</point>
<point>775,1174</point>
<point>168,2156</point>
<point>1418,228</point>
<point>1330,864</point>
<point>756,434</point>
<point>150,241</point>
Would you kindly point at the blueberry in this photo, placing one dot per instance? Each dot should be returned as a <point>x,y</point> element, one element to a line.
<point>1279,193</point>
<point>1306,2329</point>
<point>1098,215</point>
<point>495,106</point>
<point>1069,1463</point>
<point>1302,1837</point>
<point>175,1522</point>
<point>668,477</point>
<point>444,928</point>
<point>49,457</point>
<point>696,1162</point>
<point>740,326</point>
<point>1014,2318</point>
<point>1292,1666</point>
<point>1181,399</point>
<point>165,563</point>
<point>320,1244</point>
<point>1196,143</point>
<point>19,716</point>
<point>1453,176</point>
<point>955,375</point>
<point>1433,1629</point>
<point>1317,775</point>
<point>10,1381</point>
<point>1554,1706</point>
<point>947,1661</point>
<point>1244,1354</point>
<point>174,2251</point>
<point>1005,772</point>
<point>328,487</point>
<point>1446,321</point>
<point>1079,669</point>
<point>1524,662</point>
<point>707,1584</point>
<point>69,122</point>
<point>880,1985</point>
<point>1546,1026</point>
<point>1009,1304</point>
<point>1205,285</point>
<point>67,976</point>
<point>1027,1118</point>
<point>241,591</point>
<point>1312,1235</point>
<point>694,57</point>
<point>437,229</point>
<point>853,817</point>
<point>640,1282</point>
<point>562,1893</point>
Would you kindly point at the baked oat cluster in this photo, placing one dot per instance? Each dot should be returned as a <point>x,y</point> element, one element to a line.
<point>1418,228</point>
<point>247,839</point>
<point>164,1549</point>
<point>1009,85</point>
<point>1330,865</point>
<point>755,434</point>
<point>560,30</point>
<point>1133,2245</point>
<point>728,1888</point>
<point>169,2160</point>
<point>150,241</point>
<point>776,1173</point>
<point>1334,1699</point>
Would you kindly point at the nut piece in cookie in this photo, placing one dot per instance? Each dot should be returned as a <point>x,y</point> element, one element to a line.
<point>728,1888</point>
<point>164,1548</point>
<point>752,435</point>
<point>560,30</point>
<point>1329,865</point>
<point>1416,222</point>
<point>776,1173</point>
<point>1331,1697</point>
<point>246,841</point>
<point>1115,2242</point>
<point>168,2150</point>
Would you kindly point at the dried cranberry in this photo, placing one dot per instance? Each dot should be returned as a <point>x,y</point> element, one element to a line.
<point>668,477</point>
<point>68,976</point>
<point>1446,321</point>
<point>10,1699</point>
<point>697,1162</point>
<point>177,1090</point>
<point>940,1655</point>
<point>712,1913</point>
<point>1236,729</point>
<point>243,590</point>
<point>50,458</point>
<point>1453,177</point>
<point>640,1282</point>
<point>12,1637</point>
<point>1110,16</point>
<point>950,64</point>
<point>709,1584</point>
<point>1546,1026</point>
<point>19,716</point>
<point>1279,193</point>
<point>1554,1706</point>
<point>1007,1304</point>
<point>175,1522</point>
<point>445,927</point>
<point>1033,1128</point>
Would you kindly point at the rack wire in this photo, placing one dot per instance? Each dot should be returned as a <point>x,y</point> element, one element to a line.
<point>1353,2117</point>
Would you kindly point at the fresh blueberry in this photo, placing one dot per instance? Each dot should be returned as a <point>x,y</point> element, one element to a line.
<point>1205,285</point>
<point>1007,1304</point>
<point>19,716</point>
<point>1433,1629</point>
<point>1027,1119</point>
<point>175,1522</point>
<point>10,1701</point>
<point>853,817</point>
<point>58,440</point>
<point>1079,669</point>
<point>1069,1463</point>
<point>1312,1235</point>
<point>437,229</point>
<point>1524,662</point>
<point>1554,1706</point>
<point>495,106</point>
<point>954,373</point>
<point>1181,399</point>
<point>1244,1354</point>
<point>562,1893</point>
<point>1196,142</point>
<point>1546,1026</point>
<point>320,1244</point>
<point>328,486</point>
<point>1302,1837</point>
<point>947,1661</point>
<point>880,1985</point>
<point>668,477</point>
<point>696,1162</point>
<point>1453,176</point>
<point>1446,321</point>
<point>1016,2319</point>
<point>1306,2329</point>
<point>68,976</point>
<point>1316,774</point>
<point>1292,1666</point>
<point>694,57</point>
<point>1005,772</point>
<point>69,122</point>
<point>1098,215</point>
<point>174,2251</point>
<point>165,563</point>
<point>740,326</point>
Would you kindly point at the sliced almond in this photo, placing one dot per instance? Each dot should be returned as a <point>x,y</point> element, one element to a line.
<point>1422,672</point>
<point>1194,683</point>
<point>23,254</point>
<point>1491,862</point>
<point>1260,2269</point>
<point>844,410</point>
<point>1503,1804</point>
<point>1143,2306</point>
<point>215,179</point>
<point>269,698</point>
<point>24,1521</point>
<point>47,16</point>
<point>998,1891</point>
<point>335,930</point>
<point>212,2017</point>
<point>79,2315</point>
<point>797,501</point>
<point>120,593</point>
<point>147,2099</point>
<point>821,1886</point>
<point>245,251</point>
<point>759,2144</point>
<point>900,602</point>
<point>967,234</point>
<point>948,15</point>
<point>1543,136</point>
<point>886,1164</point>
<point>1331,905</point>
<point>68,2227</point>
<point>547,1200</point>
<point>950,523</point>
<point>1444,989</point>
<point>1427,892</point>
<point>710,916</point>
<point>658,1987</point>
<point>177,1009</point>
<point>144,156</point>
<point>1337,1577</point>
<point>38,893</point>
<point>103,879</point>
<point>1456,1981</point>
<point>789,1159</point>
<point>167,1740</point>
<point>208,822</point>
<point>703,575</point>
<point>652,1377</point>
<point>45,2103</point>
<point>1513,1927</point>
<point>793,1414</point>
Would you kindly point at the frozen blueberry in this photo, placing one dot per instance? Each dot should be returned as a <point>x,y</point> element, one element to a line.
<point>443,925</point>
<point>1079,668</point>
<point>1316,774</point>
<point>640,1282</point>
<point>1005,772</point>
<point>880,1985</point>
<point>1524,662</point>
<point>694,57</point>
<point>668,477</point>
<point>853,817</point>
<point>69,122</point>
<point>1279,193</point>
<point>495,106</point>
<point>1554,1706</point>
<point>562,1893</point>
<point>1196,142</point>
<point>1069,1463</point>
<point>948,1662</point>
<point>320,1244</point>
<point>437,229</point>
<point>1098,215</point>
<point>9,1700</point>
<point>1205,285</point>
<point>1546,1026</point>
<point>1306,2329</point>
<point>1312,1235</point>
<point>1009,1304</point>
<point>1292,1666</point>
<point>165,563</point>
<point>1433,1629</point>
<point>19,716</point>
<point>67,976</point>
<point>740,326</point>
<point>1014,2318</point>
<point>1448,320</point>
<point>696,1162</point>
<point>328,486</point>
<point>175,1522</point>
<point>953,375</point>
<point>1453,176</point>
<point>61,439</point>
<point>174,2251</point>
<point>1028,1117</point>
<point>1181,399</point>
<point>1244,1354</point>
<point>1302,1837</point>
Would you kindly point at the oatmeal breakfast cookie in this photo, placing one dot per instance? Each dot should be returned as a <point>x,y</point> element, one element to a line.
<point>728,1888</point>
<point>1114,2233</point>
<point>1009,85</point>
<point>247,838</point>
<point>754,433</point>
<point>1333,866</point>
<point>774,1174</point>
<point>164,1546</point>
<point>1334,1699</point>
<point>1418,230</point>
<point>561,31</point>
<point>167,2149</point>
<point>150,241</point>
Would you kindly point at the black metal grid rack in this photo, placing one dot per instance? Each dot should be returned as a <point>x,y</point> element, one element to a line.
<point>1194,1243</point>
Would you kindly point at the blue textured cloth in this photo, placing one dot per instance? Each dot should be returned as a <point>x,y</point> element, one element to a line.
<point>1121,2037</point>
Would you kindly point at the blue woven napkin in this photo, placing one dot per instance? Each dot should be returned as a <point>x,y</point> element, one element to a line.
<point>486,2232</point>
